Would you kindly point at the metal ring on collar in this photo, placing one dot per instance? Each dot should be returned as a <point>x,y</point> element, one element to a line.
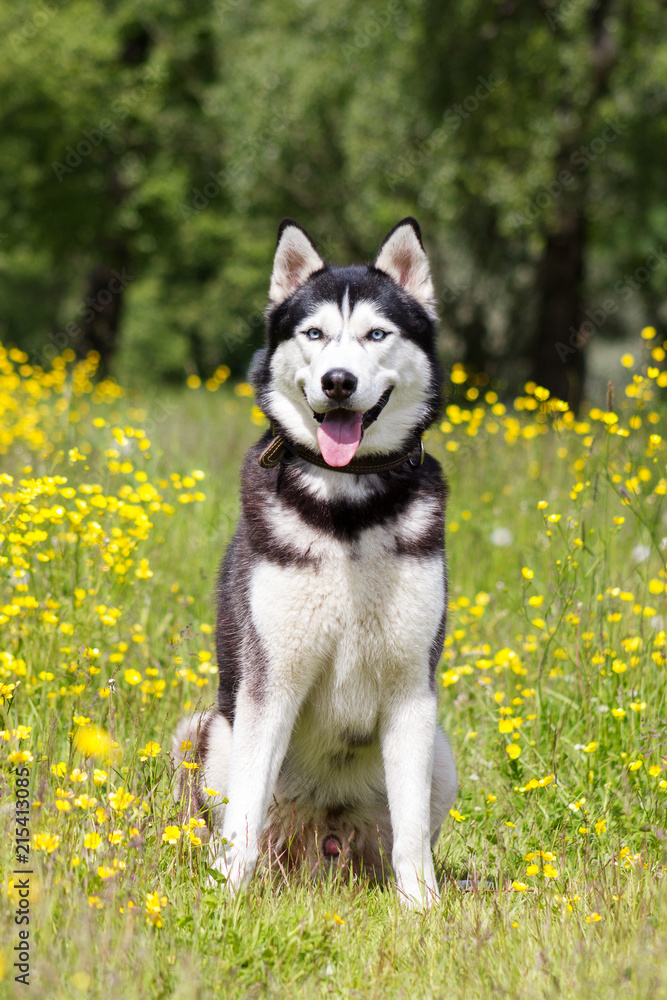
<point>415,465</point>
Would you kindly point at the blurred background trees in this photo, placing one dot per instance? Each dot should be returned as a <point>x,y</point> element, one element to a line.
<point>150,149</point>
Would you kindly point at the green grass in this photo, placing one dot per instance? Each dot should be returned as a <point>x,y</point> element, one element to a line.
<point>592,918</point>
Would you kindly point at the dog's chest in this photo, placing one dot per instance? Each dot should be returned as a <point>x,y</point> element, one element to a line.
<point>353,616</point>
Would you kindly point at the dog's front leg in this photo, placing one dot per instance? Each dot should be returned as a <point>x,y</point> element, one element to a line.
<point>408,738</point>
<point>261,734</point>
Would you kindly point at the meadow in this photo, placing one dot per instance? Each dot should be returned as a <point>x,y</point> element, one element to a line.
<point>115,509</point>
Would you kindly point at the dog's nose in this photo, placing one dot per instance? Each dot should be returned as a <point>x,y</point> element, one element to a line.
<point>338,383</point>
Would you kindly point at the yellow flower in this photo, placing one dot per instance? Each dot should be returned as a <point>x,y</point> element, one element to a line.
<point>151,749</point>
<point>132,677</point>
<point>92,841</point>
<point>92,742</point>
<point>513,750</point>
<point>527,573</point>
<point>532,869</point>
<point>120,799</point>
<point>590,747</point>
<point>505,725</point>
<point>99,777</point>
<point>171,835</point>
<point>550,872</point>
<point>154,906</point>
<point>635,765</point>
<point>519,886</point>
<point>593,918</point>
<point>601,826</point>
<point>45,842</point>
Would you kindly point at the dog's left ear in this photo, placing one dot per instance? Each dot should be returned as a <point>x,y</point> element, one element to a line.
<point>296,259</point>
<point>403,258</point>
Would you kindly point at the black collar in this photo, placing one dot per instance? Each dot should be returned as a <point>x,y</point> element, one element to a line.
<point>280,449</point>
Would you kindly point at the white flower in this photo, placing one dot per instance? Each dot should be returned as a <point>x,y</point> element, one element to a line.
<point>501,537</point>
<point>640,553</point>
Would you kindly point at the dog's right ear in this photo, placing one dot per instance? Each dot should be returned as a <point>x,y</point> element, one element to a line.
<point>296,259</point>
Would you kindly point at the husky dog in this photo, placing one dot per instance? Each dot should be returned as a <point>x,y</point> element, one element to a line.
<point>324,743</point>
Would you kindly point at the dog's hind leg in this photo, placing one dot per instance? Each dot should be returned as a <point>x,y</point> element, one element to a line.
<point>205,739</point>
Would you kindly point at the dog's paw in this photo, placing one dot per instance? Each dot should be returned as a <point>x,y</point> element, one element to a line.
<point>418,891</point>
<point>229,867</point>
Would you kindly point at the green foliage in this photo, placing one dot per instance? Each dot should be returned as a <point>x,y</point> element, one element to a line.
<point>199,126</point>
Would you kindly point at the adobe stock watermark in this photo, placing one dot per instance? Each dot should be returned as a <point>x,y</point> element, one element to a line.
<point>44,12</point>
<point>452,119</point>
<point>624,288</point>
<point>580,159</point>
<point>372,25</point>
<point>241,164</point>
<point>96,304</point>
<point>120,108</point>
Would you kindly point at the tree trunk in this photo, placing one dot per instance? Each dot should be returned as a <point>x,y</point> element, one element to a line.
<point>99,328</point>
<point>558,358</point>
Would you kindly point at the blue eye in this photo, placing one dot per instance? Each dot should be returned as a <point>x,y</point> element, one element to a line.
<point>314,334</point>
<point>377,335</point>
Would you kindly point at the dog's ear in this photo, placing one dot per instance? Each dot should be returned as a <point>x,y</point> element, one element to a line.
<point>296,259</point>
<point>403,258</point>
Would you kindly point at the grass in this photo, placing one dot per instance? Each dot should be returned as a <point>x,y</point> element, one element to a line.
<point>115,513</point>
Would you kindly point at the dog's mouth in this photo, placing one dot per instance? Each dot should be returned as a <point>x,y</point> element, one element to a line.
<point>340,431</point>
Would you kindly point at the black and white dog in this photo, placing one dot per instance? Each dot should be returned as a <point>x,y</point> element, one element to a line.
<point>332,595</point>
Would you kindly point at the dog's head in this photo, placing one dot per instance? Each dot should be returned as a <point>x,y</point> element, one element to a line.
<point>350,363</point>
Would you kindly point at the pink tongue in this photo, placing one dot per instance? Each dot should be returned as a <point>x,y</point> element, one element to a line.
<point>339,436</point>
